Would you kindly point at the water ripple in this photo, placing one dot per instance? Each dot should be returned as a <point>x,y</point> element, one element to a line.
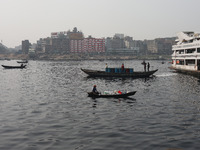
<point>46,107</point>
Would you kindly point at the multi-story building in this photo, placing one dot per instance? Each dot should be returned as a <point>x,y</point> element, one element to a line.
<point>25,46</point>
<point>119,45</point>
<point>100,45</point>
<point>76,46</point>
<point>151,46</point>
<point>76,38</point>
<point>93,45</point>
<point>60,45</point>
<point>160,45</point>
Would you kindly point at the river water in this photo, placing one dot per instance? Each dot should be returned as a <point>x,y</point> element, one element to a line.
<point>45,107</point>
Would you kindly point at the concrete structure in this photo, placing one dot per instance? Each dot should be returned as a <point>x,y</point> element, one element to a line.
<point>160,46</point>
<point>25,46</point>
<point>93,45</point>
<point>76,46</point>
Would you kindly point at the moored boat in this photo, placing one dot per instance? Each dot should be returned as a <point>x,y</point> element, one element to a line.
<point>122,95</point>
<point>14,67</point>
<point>186,53</point>
<point>125,74</point>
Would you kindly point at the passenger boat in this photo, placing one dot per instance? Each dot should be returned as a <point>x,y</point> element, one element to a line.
<point>186,53</point>
<point>125,74</point>
<point>14,67</point>
<point>123,95</point>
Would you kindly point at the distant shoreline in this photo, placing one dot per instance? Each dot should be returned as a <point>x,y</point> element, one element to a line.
<point>79,57</point>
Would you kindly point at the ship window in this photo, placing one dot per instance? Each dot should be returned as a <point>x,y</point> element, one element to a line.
<point>190,62</point>
<point>180,62</point>
<point>190,50</point>
<point>198,50</point>
<point>181,52</point>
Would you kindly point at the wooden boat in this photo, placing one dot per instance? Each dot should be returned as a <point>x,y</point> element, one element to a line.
<point>14,67</point>
<point>23,61</point>
<point>123,95</point>
<point>96,73</point>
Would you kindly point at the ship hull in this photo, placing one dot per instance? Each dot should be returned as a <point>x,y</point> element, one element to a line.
<point>194,73</point>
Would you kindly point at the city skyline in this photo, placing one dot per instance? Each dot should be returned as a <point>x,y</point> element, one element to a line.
<point>140,19</point>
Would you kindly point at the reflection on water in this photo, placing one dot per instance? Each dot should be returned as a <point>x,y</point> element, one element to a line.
<point>46,107</point>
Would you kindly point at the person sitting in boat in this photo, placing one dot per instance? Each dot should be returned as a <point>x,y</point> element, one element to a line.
<point>119,92</point>
<point>94,90</point>
<point>122,67</point>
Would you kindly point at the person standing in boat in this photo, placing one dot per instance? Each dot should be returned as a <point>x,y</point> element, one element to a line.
<point>94,90</point>
<point>145,65</point>
<point>148,66</point>
<point>122,67</point>
<point>106,65</point>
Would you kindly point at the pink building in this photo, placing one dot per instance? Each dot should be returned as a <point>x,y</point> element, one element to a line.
<point>100,45</point>
<point>89,45</point>
<point>93,45</point>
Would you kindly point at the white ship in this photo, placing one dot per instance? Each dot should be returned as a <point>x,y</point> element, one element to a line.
<point>186,53</point>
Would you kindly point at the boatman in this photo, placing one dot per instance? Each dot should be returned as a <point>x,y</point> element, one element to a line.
<point>145,65</point>
<point>94,90</point>
<point>148,66</point>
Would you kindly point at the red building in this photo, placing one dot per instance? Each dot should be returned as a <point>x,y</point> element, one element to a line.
<point>91,45</point>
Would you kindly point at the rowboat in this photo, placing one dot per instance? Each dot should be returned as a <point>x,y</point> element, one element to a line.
<point>139,74</point>
<point>122,95</point>
<point>14,67</point>
<point>23,61</point>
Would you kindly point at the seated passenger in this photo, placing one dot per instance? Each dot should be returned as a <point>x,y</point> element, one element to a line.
<point>94,90</point>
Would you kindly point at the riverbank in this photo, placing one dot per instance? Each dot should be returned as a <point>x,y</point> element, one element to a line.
<point>57,57</point>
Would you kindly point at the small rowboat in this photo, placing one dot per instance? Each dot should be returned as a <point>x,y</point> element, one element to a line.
<point>23,61</point>
<point>14,67</point>
<point>123,95</point>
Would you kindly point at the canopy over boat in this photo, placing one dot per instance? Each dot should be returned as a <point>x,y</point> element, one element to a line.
<point>122,95</point>
<point>96,73</point>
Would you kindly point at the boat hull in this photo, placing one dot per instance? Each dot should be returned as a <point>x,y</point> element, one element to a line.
<point>13,67</point>
<point>95,73</point>
<point>123,95</point>
<point>26,61</point>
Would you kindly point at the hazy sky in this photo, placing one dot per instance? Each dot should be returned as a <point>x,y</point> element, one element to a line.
<point>141,19</point>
